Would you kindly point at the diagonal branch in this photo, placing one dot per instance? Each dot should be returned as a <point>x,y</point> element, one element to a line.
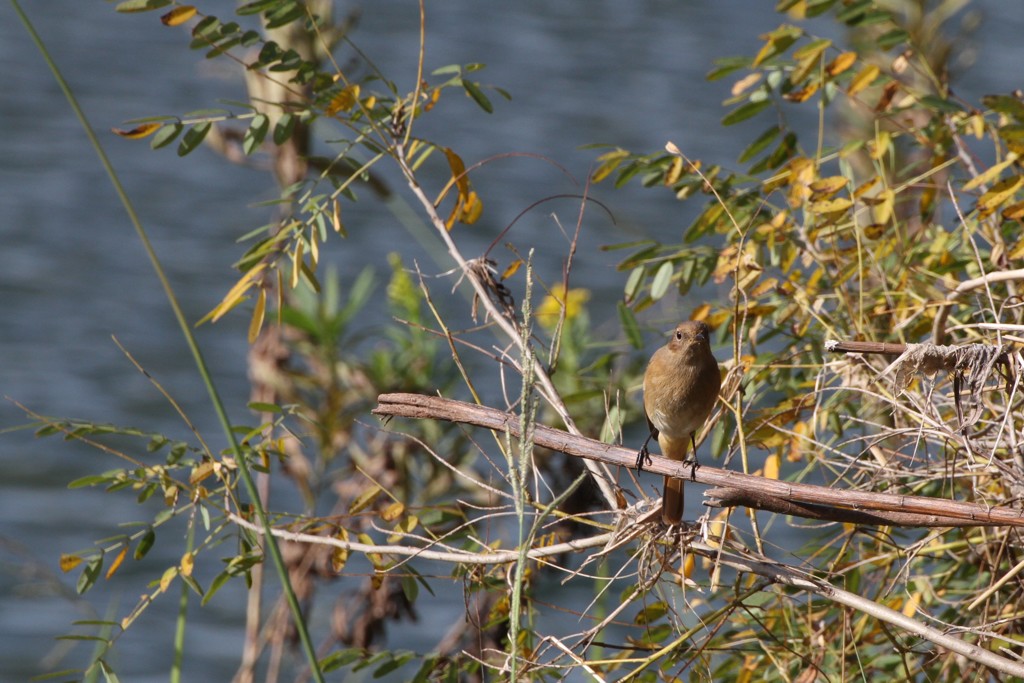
<point>803,500</point>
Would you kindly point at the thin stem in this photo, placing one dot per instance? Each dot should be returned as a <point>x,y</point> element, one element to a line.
<point>186,330</point>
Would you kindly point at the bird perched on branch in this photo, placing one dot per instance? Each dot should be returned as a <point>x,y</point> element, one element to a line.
<point>680,388</point>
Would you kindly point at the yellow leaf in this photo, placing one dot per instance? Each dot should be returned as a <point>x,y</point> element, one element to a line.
<point>688,565</point>
<point>841,63</point>
<point>866,186</point>
<point>831,205</point>
<point>392,511</point>
<point>824,187</point>
<point>234,295</point>
<point>990,174</point>
<point>910,609</point>
<point>801,174</point>
<point>201,472</point>
<point>344,100</point>
<point>999,194</point>
<point>470,213</point>
<point>881,212</point>
<point>674,172</point>
<point>864,78</point>
<point>1015,212</point>
<point>808,59</point>
<point>364,500</point>
<point>976,125</point>
<point>256,324</point>
<point>178,15</point>
<point>803,94</point>
<point>170,494</point>
<point>339,555</point>
<point>336,217</point>
<point>701,312</point>
<point>138,132</point>
<point>777,42</point>
<point>771,466</point>
<point>458,168</point>
<point>609,161</point>
<point>69,562</point>
<point>165,580</point>
<point>117,561</point>
<point>188,561</point>
<point>512,269</point>
<point>874,231</point>
<point>764,287</point>
<point>296,265</point>
<point>880,146</point>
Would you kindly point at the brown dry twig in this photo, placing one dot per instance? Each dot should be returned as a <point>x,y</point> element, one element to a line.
<point>971,365</point>
<point>804,500</point>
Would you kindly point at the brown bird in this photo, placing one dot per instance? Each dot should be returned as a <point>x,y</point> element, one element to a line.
<point>680,388</point>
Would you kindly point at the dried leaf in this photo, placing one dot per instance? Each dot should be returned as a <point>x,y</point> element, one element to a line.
<point>841,63</point>
<point>256,324</point>
<point>117,561</point>
<point>69,562</point>
<point>139,132</point>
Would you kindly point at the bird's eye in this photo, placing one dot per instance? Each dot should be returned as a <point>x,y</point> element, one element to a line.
<point>679,336</point>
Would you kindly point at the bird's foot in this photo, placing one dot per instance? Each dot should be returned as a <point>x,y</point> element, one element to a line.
<point>643,457</point>
<point>693,467</point>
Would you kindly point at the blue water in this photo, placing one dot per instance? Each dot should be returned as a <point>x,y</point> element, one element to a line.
<point>72,272</point>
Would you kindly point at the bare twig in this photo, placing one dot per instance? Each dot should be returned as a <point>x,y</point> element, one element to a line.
<point>546,387</point>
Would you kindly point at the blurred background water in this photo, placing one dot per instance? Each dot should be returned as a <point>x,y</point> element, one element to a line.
<point>72,273</point>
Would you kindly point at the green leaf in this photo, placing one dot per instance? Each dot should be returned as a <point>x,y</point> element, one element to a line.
<point>141,5</point>
<point>632,288</point>
<point>89,574</point>
<point>259,6</point>
<point>207,29</point>
<point>1005,104</point>
<point>661,281</point>
<point>726,66</point>
<point>90,480</point>
<point>854,12</point>
<point>895,37</point>
<point>284,128</point>
<point>745,111</point>
<point>478,96</point>
<point>145,543</point>
<point>630,326</point>
<point>941,105</point>
<point>285,13</point>
<point>166,135</point>
<point>336,660</point>
<point>193,138</point>
<point>255,133</point>
<point>448,69</point>
<point>218,581</point>
<point>399,660</point>
<point>758,145</point>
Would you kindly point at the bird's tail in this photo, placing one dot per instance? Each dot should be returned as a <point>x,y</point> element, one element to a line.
<point>672,501</point>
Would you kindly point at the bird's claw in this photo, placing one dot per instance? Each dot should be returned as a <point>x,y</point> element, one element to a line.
<point>693,468</point>
<point>643,457</point>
